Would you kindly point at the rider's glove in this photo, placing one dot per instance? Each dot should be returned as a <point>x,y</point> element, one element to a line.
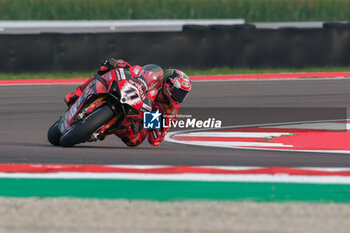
<point>155,137</point>
<point>112,63</point>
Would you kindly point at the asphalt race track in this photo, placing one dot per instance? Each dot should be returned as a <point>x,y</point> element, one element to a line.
<point>26,112</point>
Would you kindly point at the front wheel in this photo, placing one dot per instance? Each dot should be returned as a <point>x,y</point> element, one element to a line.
<point>54,134</point>
<point>84,129</point>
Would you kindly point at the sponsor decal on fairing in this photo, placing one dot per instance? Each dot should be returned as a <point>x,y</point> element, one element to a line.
<point>122,73</point>
<point>118,75</point>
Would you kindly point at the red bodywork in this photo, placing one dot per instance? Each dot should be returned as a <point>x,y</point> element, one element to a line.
<point>132,92</point>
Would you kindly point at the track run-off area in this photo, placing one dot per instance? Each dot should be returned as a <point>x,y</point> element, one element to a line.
<point>270,161</point>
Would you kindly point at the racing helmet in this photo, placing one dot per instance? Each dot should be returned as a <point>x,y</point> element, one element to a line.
<point>152,73</point>
<point>176,85</point>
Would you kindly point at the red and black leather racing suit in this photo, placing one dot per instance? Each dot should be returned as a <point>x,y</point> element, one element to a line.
<point>134,134</point>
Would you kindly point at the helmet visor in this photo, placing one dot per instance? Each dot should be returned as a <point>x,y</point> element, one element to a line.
<point>178,94</point>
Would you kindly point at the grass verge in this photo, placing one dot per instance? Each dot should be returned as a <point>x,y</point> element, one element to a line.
<point>163,190</point>
<point>251,10</point>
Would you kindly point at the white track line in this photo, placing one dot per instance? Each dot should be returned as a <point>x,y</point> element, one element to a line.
<point>232,145</point>
<point>326,126</point>
<point>169,138</point>
<point>234,134</point>
<point>279,178</point>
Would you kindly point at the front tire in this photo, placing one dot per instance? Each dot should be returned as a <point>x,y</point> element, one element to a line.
<point>54,134</point>
<point>83,130</point>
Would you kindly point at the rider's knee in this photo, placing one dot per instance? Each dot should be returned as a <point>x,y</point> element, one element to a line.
<point>131,142</point>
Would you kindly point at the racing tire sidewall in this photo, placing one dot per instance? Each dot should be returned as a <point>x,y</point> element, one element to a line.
<point>82,131</point>
<point>54,134</point>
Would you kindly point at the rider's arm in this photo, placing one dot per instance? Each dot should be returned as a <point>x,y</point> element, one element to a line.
<point>112,63</point>
<point>156,136</point>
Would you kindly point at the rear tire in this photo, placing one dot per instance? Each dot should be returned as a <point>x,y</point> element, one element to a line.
<point>54,134</point>
<point>83,130</point>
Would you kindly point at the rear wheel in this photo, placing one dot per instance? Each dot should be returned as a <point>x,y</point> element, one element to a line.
<point>84,129</point>
<point>54,134</point>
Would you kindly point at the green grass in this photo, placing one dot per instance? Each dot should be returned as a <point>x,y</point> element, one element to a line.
<point>251,10</point>
<point>7,76</point>
<point>163,190</point>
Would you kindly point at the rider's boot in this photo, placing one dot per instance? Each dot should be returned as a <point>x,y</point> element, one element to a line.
<point>71,98</point>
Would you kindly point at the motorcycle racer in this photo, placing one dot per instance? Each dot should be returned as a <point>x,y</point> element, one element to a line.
<point>175,87</point>
<point>165,91</point>
<point>150,73</point>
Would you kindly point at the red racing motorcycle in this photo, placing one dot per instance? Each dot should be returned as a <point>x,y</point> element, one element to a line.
<point>98,112</point>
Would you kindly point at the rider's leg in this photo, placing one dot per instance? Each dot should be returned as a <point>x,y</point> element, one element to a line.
<point>72,97</point>
<point>131,136</point>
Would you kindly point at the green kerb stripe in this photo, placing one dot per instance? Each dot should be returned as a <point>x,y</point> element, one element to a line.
<point>173,190</point>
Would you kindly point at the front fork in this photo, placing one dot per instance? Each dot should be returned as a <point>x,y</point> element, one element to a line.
<point>94,105</point>
<point>104,130</point>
